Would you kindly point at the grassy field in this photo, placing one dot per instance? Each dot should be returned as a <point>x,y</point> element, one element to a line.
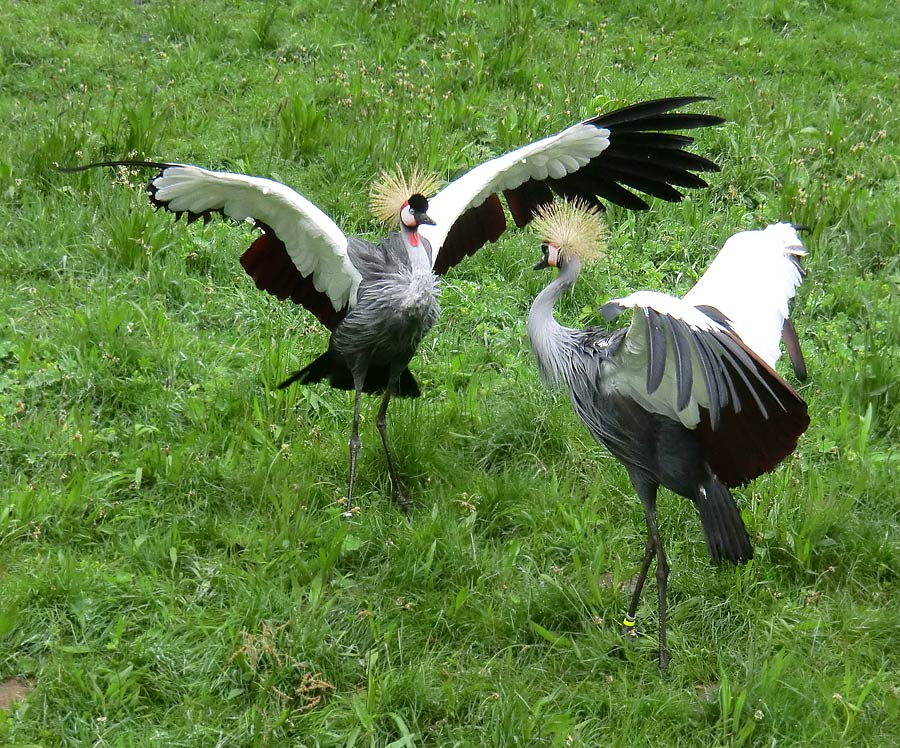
<point>174,569</point>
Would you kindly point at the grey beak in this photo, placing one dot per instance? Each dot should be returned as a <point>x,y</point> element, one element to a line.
<point>423,218</point>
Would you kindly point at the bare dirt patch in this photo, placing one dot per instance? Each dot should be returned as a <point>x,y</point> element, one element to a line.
<point>13,691</point>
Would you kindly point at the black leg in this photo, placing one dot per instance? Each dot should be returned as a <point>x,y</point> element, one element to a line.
<point>662,580</point>
<point>354,442</point>
<point>631,615</point>
<point>381,421</point>
<point>646,491</point>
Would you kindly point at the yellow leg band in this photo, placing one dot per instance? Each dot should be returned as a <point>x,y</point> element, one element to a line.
<point>628,622</point>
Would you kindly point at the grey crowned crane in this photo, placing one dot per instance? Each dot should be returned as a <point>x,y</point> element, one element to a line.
<point>686,396</point>
<point>378,301</point>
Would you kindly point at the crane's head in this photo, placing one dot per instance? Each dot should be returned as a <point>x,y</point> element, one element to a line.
<point>569,230</point>
<point>396,198</point>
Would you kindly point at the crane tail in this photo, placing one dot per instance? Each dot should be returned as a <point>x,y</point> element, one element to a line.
<point>330,369</point>
<point>726,536</point>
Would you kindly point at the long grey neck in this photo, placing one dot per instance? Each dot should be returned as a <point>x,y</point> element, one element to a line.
<point>549,338</point>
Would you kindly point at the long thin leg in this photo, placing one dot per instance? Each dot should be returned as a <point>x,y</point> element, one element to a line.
<point>662,581</point>
<point>631,615</point>
<point>354,441</point>
<point>381,421</point>
<point>646,491</point>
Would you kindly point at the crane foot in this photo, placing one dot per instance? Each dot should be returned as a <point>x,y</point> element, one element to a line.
<point>402,501</point>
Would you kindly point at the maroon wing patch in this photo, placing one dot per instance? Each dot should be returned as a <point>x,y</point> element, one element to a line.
<point>749,442</point>
<point>269,264</point>
<point>472,230</point>
<point>525,199</point>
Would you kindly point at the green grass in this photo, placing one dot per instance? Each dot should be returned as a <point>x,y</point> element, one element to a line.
<point>173,565</point>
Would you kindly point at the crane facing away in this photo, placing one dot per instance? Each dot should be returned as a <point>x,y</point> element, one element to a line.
<point>687,396</point>
<point>378,301</point>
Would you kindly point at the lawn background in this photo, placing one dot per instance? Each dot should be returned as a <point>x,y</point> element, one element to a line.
<point>173,567</point>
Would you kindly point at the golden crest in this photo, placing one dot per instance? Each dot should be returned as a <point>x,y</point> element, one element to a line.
<point>575,228</point>
<point>394,188</point>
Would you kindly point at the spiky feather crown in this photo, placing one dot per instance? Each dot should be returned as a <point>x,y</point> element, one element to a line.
<point>575,228</point>
<point>394,188</point>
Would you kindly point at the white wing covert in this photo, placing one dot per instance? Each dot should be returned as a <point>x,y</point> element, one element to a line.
<point>666,345</point>
<point>315,244</point>
<point>751,282</point>
<point>555,157</point>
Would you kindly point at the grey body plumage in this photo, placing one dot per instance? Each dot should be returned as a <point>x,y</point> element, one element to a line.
<point>580,361</point>
<point>397,305</point>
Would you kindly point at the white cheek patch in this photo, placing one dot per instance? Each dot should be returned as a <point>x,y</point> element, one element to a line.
<point>552,255</point>
<point>407,217</point>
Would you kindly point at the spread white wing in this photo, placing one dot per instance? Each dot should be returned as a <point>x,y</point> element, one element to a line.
<point>315,245</point>
<point>594,160</point>
<point>553,157</point>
